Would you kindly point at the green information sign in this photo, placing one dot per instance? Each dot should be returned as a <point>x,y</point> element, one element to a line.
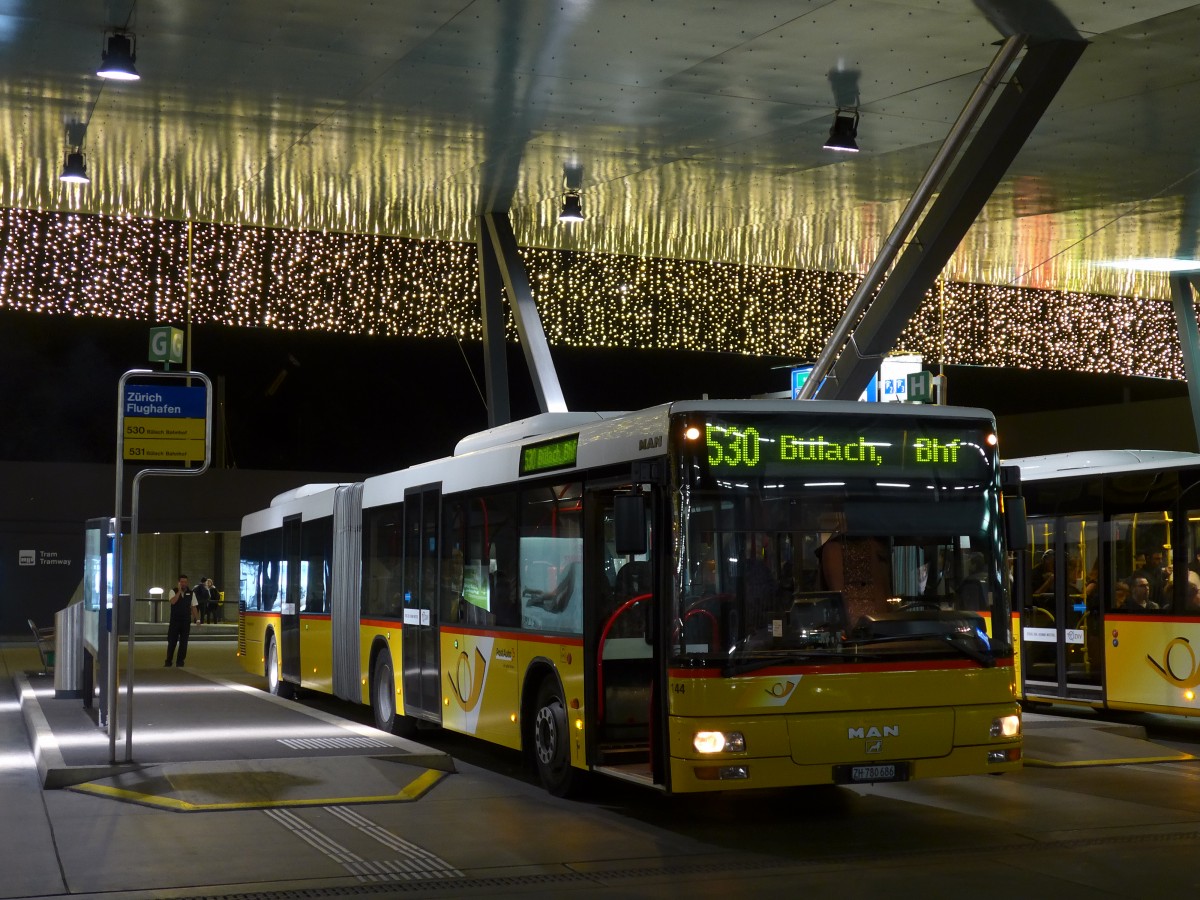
<point>166,345</point>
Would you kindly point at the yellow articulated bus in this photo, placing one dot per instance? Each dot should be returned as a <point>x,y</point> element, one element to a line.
<point>699,596</point>
<point>1108,591</point>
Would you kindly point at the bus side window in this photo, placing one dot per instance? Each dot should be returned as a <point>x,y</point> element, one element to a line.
<point>550,555</point>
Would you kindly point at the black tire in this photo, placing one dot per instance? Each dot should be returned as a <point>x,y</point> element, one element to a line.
<point>275,683</point>
<point>383,699</point>
<point>551,742</point>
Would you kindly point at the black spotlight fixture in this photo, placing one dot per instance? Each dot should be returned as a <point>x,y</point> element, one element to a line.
<point>74,170</point>
<point>572,205</point>
<point>842,134</point>
<point>117,61</point>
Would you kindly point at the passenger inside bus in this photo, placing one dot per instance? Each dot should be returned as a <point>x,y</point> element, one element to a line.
<point>1192,597</point>
<point>1140,598</point>
<point>971,591</point>
<point>858,567</point>
<point>1120,595</point>
<point>1043,578</point>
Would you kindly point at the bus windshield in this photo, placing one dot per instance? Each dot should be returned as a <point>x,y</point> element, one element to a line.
<point>785,567</point>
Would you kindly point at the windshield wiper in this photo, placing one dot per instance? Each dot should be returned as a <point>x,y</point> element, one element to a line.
<point>794,658</point>
<point>985,657</point>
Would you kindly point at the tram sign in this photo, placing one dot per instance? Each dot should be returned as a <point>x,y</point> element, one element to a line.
<point>163,423</point>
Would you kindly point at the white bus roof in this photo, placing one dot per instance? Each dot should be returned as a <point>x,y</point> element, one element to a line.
<point>604,438</point>
<point>1100,462</point>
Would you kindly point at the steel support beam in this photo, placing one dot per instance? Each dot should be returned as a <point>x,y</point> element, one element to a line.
<point>1182,287</point>
<point>497,231</point>
<point>967,188</point>
<point>495,354</point>
<point>938,168</point>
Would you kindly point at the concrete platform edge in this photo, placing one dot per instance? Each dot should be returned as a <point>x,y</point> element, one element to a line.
<point>55,774</point>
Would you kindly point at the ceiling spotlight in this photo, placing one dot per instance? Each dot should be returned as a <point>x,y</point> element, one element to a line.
<point>843,133</point>
<point>74,170</point>
<point>572,205</point>
<point>572,208</point>
<point>117,61</point>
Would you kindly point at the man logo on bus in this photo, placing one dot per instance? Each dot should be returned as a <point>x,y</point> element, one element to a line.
<point>1178,654</point>
<point>873,732</point>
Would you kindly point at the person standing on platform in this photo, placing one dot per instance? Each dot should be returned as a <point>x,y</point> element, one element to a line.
<point>214,602</point>
<point>182,599</point>
<point>203,600</point>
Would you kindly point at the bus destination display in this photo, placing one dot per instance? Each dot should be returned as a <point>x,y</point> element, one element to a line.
<point>546,456</point>
<point>873,451</point>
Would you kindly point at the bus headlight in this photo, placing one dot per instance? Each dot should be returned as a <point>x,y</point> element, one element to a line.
<point>719,742</point>
<point>1006,726</point>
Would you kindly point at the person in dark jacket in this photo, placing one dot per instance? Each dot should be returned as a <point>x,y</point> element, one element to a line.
<point>180,627</point>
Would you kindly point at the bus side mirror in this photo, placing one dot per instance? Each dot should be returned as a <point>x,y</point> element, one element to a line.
<point>1015,532</point>
<point>629,524</point>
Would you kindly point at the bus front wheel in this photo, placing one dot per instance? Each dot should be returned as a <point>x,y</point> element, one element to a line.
<point>552,741</point>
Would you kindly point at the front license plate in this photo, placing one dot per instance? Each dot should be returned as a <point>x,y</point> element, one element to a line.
<point>868,774</point>
<point>873,773</point>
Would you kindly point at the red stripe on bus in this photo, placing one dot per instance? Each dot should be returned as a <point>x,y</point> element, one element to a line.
<point>837,669</point>
<point>518,635</point>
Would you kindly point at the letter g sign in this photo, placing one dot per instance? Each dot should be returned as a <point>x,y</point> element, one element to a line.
<point>166,345</point>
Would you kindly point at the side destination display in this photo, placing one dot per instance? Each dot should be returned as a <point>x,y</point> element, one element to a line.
<point>546,456</point>
<point>959,450</point>
<point>163,423</point>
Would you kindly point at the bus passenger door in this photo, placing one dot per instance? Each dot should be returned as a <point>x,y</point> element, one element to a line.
<point>624,638</point>
<point>421,651</point>
<point>289,609</point>
<point>1061,629</point>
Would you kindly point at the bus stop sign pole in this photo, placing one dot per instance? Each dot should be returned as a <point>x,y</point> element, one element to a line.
<point>156,421</point>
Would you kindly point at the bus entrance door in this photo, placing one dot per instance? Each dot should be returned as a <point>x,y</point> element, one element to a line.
<point>626,635</point>
<point>422,557</point>
<point>1062,650</point>
<point>289,609</point>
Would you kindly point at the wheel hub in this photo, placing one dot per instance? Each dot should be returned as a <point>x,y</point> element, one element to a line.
<point>545,736</point>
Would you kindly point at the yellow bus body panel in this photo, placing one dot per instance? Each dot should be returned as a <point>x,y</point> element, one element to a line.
<point>484,673</point>
<point>373,636</point>
<point>254,628</point>
<point>797,725</point>
<point>316,654</point>
<point>1153,664</point>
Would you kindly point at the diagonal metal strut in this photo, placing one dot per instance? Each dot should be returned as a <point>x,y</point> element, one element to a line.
<point>499,261</point>
<point>966,189</point>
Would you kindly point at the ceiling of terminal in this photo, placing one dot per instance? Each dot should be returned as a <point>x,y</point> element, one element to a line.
<point>698,126</point>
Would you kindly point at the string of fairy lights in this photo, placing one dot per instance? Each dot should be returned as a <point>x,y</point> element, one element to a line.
<point>138,268</point>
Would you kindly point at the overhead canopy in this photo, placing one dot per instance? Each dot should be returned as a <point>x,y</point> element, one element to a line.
<point>699,127</point>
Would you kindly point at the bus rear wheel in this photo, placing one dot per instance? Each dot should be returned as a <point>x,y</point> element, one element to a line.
<point>552,742</point>
<point>275,684</point>
<point>383,700</point>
